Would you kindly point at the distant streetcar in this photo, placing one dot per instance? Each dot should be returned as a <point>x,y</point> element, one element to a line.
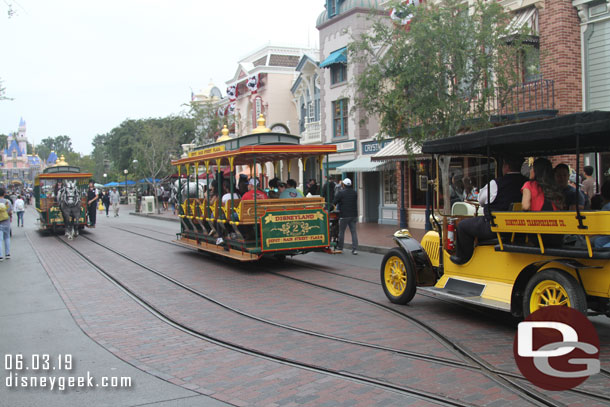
<point>46,188</point>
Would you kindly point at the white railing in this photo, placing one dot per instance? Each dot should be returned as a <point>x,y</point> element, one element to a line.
<point>312,133</point>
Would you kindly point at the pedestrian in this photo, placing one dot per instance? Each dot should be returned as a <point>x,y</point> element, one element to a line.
<point>115,198</point>
<point>347,200</point>
<point>328,190</point>
<point>92,198</point>
<point>20,209</point>
<point>6,216</point>
<point>106,201</point>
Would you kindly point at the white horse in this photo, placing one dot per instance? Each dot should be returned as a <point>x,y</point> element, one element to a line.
<point>191,189</point>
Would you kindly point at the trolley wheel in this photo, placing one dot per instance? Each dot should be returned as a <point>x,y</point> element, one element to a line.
<point>280,257</point>
<point>553,287</point>
<point>398,277</point>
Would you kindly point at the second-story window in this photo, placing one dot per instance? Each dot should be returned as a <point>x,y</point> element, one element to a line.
<point>340,118</point>
<point>338,73</point>
<point>331,6</point>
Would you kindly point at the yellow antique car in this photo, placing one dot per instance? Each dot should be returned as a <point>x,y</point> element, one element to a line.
<point>516,271</point>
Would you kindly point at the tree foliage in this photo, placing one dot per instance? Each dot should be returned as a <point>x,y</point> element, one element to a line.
<point>207,121</point>
<point>60,144</point>
<point>116,151</point>
<point>441,75</point>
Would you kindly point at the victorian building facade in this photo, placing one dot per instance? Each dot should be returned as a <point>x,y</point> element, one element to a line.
<point>353,131</point>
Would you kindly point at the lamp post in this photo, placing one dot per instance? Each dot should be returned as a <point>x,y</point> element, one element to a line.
<point>105,175</point>
<point>134,163</point>
<point>125,171</point>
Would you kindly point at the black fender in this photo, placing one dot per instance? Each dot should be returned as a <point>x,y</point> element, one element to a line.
<point>516,302</point>
<point>417,256</point>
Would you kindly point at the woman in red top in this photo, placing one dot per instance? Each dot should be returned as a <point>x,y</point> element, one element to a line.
<point>541,193</point>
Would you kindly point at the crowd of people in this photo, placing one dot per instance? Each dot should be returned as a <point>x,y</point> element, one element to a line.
<point>545,188</point>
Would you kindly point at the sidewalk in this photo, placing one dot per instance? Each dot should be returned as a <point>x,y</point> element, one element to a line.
<point>372,237</point>
<point>35,321</point>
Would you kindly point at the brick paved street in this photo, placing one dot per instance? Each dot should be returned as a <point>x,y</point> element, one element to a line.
<point>110,318</point>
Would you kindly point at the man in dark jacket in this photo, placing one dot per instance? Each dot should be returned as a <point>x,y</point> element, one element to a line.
<point>500,193</point>
<point>347,200</point>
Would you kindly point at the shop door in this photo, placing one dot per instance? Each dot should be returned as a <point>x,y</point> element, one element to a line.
<point>371,192</point>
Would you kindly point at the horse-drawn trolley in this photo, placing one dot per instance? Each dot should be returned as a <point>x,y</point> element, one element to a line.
<point>248,226</point>
<point>60,194</point>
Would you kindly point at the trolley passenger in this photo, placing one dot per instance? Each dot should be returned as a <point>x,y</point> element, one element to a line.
<point>226,188</point>
<point>251,188</point>
<point>291,191</point>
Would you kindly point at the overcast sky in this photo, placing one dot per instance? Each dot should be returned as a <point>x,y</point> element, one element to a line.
<point>81,67</point>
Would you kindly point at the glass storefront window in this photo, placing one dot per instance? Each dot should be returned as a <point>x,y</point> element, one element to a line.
<point>390,190</point>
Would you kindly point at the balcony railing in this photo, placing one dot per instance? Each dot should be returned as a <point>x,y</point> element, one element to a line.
<point>535,99</point>
<point>312,133</point>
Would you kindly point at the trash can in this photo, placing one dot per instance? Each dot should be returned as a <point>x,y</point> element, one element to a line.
<point>148,205</point>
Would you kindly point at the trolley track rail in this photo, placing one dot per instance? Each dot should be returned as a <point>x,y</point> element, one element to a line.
<point>505,379</point>
<point>404,390</point>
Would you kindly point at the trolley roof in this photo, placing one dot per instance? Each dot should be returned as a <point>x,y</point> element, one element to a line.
<point>263,153</point>
<point>543,137</point>
<point>55,175</point>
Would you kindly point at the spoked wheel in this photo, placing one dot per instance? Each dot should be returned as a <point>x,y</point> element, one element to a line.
<point>398,277</point>
<point>553,287</point>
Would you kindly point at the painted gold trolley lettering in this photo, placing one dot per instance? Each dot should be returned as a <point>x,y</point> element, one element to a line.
<point>294,218</point>
<point>535,222</point>
<point>206,151</point>
<point>293,239</point>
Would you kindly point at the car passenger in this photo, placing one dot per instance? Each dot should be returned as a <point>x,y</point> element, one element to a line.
<point>604,241</point>
<point>562,177</point>
<point>502,192</point>
<point>541,193</point>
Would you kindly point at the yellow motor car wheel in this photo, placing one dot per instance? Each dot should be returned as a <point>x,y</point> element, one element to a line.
<point>398,277</point>
<point>553,287</point>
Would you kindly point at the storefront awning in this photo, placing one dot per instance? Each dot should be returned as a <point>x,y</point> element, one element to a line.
<point>396,151</point>
<point>527,17</point>
<point>336,57</point>
<point>362,164</point>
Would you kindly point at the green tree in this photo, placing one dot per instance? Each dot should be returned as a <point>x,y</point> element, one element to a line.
<point>206,120</point>
<point>442,74</point>
<point>155,151</point>
<point>60,144</point>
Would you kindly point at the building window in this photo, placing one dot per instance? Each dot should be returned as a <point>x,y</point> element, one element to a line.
<point>390,190</point>
<point>531,64</point>
<point>340,118</point>
<point>331,6</point>
<point>338,73</point>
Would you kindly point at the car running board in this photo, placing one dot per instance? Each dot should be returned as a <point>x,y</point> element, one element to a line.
<point>464,297</point>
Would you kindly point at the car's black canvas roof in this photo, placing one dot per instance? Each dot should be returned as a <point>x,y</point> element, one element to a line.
<point>543,137</point>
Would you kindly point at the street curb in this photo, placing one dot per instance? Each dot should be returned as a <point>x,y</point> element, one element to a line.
<point>346,246</point>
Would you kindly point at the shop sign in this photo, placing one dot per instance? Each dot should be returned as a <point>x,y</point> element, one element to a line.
<point>372,147</point>
<point>298,229</point>
<point>345,146</point>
